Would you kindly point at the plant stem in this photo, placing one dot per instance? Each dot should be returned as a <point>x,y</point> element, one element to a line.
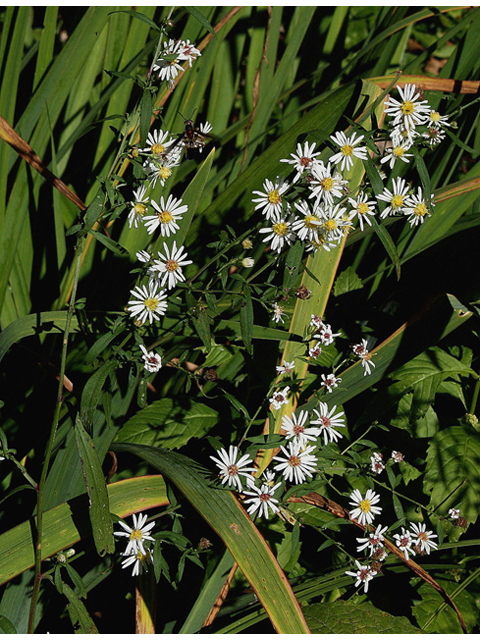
<point>53,431</point>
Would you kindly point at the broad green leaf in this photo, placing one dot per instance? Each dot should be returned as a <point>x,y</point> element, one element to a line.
<point>452,478</point>
<point>99,508</point>
<point>6,626</point>
<point>347,281</point>
<point>168,422</point>
<point>355,617</point>
<point>81,621</point>
<point>229,520</point>
<point>246,320</point>
<point>68,523</point>
<point>92,391</point>
<point>435,616</point>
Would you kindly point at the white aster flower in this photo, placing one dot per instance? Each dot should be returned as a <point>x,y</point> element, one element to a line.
<point>326,335</point>
<point>153,362</point>
<point>161,169</point>
<point>139,560</point>
<point>139,207</point>
<point>436,120</point>
<point>330,382</point>
<point>321,243</point>
<point>397,152</point>
<point>335,222</point>
<point>297,464</point>
<point>416,208</point>
<point>156,144</point>
<point>262,500</point>
<point>248,263</point>
<point>271,202</point>
<point>143,256</point>
<point>363,575</point>
<point>268,477</point>
<point>328,423</point>
<point>434,135</point>
<point>303,159</point>
<point>422,540</point>
<point>316,321</point>
<point>395,198</point>
<point>278,312</point>
<point>405,543</point>
<point>454,513</point>
<point>397,456</point>
<point>279,235</point>
<point>296,430</point>
<point>348,149</point>
<point>230,468</point>
<point>168,68</point>
<point>361,351</point>
<point>168,267</point>
<point>376,463</point>
<point>149,305</point>
<point>308,225</point>
<point>137,534</point>
<point>188,52</point>
<point>287,367</point>
<point>373,542</point>
<point>365,509</point>
<point>410,111</point>
<point>316,350</point>
<point>324,186</point>
<point>167,216</point>
<point>279,397</point>
<point>363,208</point>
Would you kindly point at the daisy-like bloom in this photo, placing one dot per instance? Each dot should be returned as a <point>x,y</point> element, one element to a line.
<point>139,560</point>
<point>279,397</point>
<point>168,68</point>
<point>298,463</point>
<point>279,234</point>
<point>315,351</point>
<point>248,263</point>
<point>168,267</point>
<point>395,198</point>
<point>326,335</point>
<point>348,149</point>
<point>268,477</point>
<point>422,541</point>
<point>454,513</point>
<point>434,135</point>
<point>153,362</point>
<point>373,542</point>
<point>376,463</point>
<point>330,382</point>
<point>271,202</point>
<point>365,509</point>
<point>278,312</point>
<point>410,111</point>
<point>137,534</point>
<point>303,159</point>
<point>334,222</point>
<point>416,208</point>
<point>296,430</point>
<point>363,575</point>
<point>139,207</point>
<point>397,456</point>
<point>230,468</point>
<point>166,217</point>
<point>316,321</point>
<point>361,351</point>
<point>308,225</point>
<point>321,243</point>
<point>262,500</point>
<point>143,256</point>
<point>149,305</point>
<point>188,52</point>
<point>287,367</point>
<point>161,169</point>
<point>363,208</point>
<point>328,423</point>
<point>247,244</point>
<point>155,142</point>
<point>324,186</point>
<point>405,543</point>
<point>436,120</point>
<point>397,152</point>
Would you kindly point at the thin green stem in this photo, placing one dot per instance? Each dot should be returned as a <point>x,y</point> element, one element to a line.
<point>473,404</point>
<point>23,471</point>
<point>53,431</point>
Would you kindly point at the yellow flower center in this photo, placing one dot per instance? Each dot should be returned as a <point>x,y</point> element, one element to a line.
<point>397,201</point>
<point>136,535</point>
<point>434,116</point>
<point>157,149</point>
<point>407,108</point>
<point>326,184</point>
<point>310,221</point>
<point>151,303</point>
<point>165,217</point>
<point>398,151</point>
<point>139,209</point>
<point>330,225</point>
<point>420,210</point>
<point>347,150</point>
<point>165,172</point>
<point>362,208</point>
<point>280,228</point>
<point>365,506</point>
<point>171,265</point>
<point>274,197</point>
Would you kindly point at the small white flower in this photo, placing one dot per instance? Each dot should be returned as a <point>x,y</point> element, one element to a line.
<point>278,312</point>
<point>205,128</point>
<point>230,468</point>
<point>297,464</point>
<point>397,152</point>
<point>248,263</point>
<point>363,208</point>
<point>321,243</point>
<point>271,201</point>
<point>139,207</point>
<point>436,120</point>
<point>365,509</point>
<point>316,321</point>
<point>287,367</point>
<point>328,423</point>
<point>168,267</point>
<point>137,534</point>
<point>373,542</point>
<point>416,208</point>
<point>303,159</point>
<point>153,362</point>
<point>363,575</point>
<point>361,351</point>
<point>376,463</point>
<point>330,382</point>
<point>404,542</point>
<point>279,398</point>
<point>280,234</point>
<point>410,111</point>
<point>308,225</point>
<point>143,256</point>
<point>315,351</point>
<point>397,456</point>
<point>168,213</point>
<point>454,513</point>
<point>155,142</point>
<point>395,198</point>
<point>161,169</point>
<point>422,541</point>
<point>434,135</point>
<point>149,305</point>
<point>348,149</point>
<point>296,430</point>
<point>188,52</point>
<point>324,186</point>
<point>335,222</point>
<point>168,69</point>
<point>262,499</point>
<point>326,335</point>
<point>268,477</point>
<point>139,560</point>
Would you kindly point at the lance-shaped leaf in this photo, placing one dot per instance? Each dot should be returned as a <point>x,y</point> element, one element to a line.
<point>229,520</point>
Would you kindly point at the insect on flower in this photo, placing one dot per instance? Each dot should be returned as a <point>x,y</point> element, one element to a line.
<point>192,138</point>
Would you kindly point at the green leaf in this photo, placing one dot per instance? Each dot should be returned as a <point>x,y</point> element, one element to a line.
<point>347,281</point>
<point>6,626</point>
<point>451,477</point>
<point>81,621</point>
<point>355,617</point>
<point>168,422</point>
<point>92,392</point>
<point>226,516</point>
<point>201,18</point>
<point>433,614</point>
<point>99,510</point>
<point>113,246</point>
<point>139,16</point>
<point>246,320</point>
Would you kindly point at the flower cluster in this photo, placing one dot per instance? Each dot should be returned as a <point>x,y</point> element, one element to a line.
<point>168,63</point>
<point>139,551</point>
